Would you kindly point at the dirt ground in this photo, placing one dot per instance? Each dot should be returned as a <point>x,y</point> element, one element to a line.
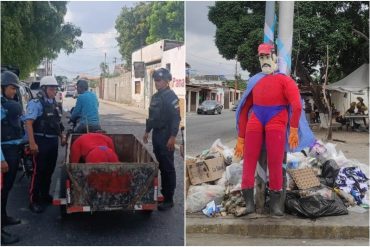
<point>356,144</point>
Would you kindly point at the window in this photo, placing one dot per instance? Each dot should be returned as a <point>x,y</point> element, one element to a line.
<point>168,67</point>
<point>137,87</point>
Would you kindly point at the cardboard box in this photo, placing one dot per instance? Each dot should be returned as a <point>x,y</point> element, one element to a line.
<point>187,181</point>
<point>206,170</point>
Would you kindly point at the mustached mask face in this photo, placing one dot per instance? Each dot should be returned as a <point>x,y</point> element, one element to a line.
<point>268,63</point>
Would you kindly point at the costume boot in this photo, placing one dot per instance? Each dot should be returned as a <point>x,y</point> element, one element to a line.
<point>248,195</point>
<point>275,203</point>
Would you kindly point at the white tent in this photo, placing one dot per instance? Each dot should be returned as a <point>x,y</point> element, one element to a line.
<point>350,87</point>
<point>356,82</point>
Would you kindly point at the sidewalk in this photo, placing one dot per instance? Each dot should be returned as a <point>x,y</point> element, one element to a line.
<point>353,225</point>
<point>138,110</point>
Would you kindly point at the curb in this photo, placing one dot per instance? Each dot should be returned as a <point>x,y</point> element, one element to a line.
<point>288,227</point>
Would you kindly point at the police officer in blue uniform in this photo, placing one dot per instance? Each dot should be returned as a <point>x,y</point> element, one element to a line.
<point>43,126</point>
<point>11,138</point>
<point>164,119</point>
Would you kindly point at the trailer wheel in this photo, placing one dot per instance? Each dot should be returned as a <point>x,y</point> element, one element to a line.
<point>62,190</point>
<point>146,213</point>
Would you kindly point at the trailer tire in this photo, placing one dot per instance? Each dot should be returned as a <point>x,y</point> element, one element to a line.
<point>146,213</point>
<point>62,190</point>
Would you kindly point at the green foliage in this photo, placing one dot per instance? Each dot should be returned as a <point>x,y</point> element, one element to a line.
<point>104,69</point>
<point>61,79</point>
<point>32,31</point>
<point>166,21</point>
<point>316,25</point>
<point>242,85</point>
<point>148,22</point>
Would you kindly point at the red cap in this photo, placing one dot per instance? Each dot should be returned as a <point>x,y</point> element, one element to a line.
<point>265,48</point>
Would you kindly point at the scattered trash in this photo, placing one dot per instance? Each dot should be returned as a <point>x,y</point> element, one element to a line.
<point>330,170</point>
<point>357,209</point>
<point>352,181</point>
<point>313,206</point>
<point>205,170</point>
<point>304,178</point>
<point>226,152</point>
<point>211,209</point>
<point>200,195</point>
<point>320,181</point>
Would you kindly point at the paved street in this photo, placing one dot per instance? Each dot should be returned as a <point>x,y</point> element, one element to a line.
<point>203,130</point>
<point>105,228</point>
<point>235,240</point>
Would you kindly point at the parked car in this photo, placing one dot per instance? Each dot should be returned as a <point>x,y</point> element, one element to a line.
<point>71,91</point>
<point>210,107</point>
<point>236,103</point>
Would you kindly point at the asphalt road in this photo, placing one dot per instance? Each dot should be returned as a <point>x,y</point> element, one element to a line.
<point>104,228</point>
<point>203,130</point>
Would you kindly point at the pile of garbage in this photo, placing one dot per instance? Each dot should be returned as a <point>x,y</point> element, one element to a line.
<point>319,181</point>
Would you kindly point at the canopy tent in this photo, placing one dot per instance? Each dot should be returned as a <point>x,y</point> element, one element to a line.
<point>356,82</point>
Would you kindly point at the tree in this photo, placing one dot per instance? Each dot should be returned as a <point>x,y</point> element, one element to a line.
<point>146,23</point>
<point>61,79</point>
<point>32,31</point>
<point>104,69</point>
<point>166,21</point>
<point>316,25</point>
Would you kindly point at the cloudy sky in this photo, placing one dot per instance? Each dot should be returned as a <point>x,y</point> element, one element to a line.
<point>97,21</point>
<point>201,51</point>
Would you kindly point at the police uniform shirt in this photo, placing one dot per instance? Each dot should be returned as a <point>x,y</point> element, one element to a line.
<point>169,113</point>
<point>12,142</point>
<point>34,110</point>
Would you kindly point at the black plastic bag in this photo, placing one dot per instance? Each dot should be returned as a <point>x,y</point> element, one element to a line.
<point>330,171</point>
<point>313,206</point>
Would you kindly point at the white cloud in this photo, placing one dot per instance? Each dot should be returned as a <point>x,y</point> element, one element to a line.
<point>201,51</point>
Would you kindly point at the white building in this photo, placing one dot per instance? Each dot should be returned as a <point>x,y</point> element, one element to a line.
<point>162,54</point>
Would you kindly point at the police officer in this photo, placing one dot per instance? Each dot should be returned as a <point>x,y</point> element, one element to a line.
<point>11,138</point>
<point>86,109</point>
<point>164,119</point>
<point>43,126</point>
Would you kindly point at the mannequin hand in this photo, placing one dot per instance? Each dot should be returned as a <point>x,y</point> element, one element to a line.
<point>239,147</point>
<point>293,138</point>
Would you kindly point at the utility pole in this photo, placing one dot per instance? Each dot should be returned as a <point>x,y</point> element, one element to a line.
<point>115,61</point>
<point>236,79</point>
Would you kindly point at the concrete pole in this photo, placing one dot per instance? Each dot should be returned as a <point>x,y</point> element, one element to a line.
<point>270,21</point>
<point>285,37</point>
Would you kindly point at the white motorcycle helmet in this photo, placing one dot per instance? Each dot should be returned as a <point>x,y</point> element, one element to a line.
<point>48,81</point>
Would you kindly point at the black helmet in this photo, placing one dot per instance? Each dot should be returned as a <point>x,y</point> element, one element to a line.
<point>83,84</point>
<point>9,78</point>
<point>162,74</point>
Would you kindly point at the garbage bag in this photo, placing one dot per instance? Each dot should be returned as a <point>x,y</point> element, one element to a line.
<point>319,151</point>
<point>330,171</point>
<point>200,195</point>
<point>313,206</point>
<point>226,152</point>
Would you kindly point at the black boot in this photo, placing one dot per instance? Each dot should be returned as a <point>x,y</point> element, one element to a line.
<point>275,203</point>
<point>248,195</point>
<point>7,221</point>
<point>165,205</point>
<point>7,238</point>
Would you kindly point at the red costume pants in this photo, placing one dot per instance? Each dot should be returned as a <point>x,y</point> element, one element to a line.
<point>274,134</point>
